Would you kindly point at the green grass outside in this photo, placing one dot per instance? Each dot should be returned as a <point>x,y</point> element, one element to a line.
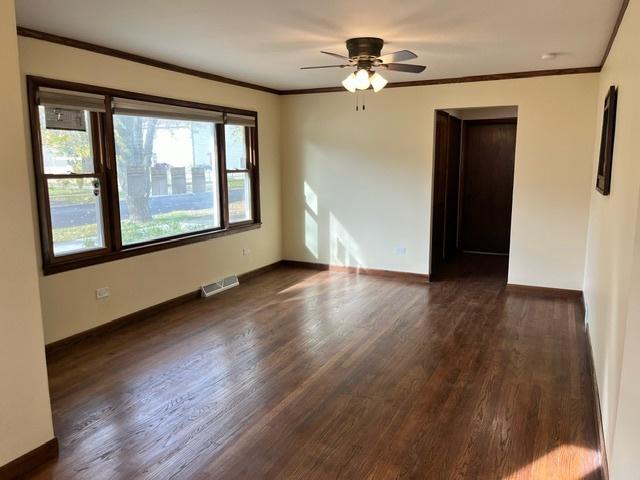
<point>71,195</point>
<point>162,225</point>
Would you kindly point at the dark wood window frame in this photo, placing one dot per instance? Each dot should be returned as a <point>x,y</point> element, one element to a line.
<point>251,168</point>
<point>106,171</point>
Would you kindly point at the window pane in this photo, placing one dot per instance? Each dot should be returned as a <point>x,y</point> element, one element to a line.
<point>76,215</point>
<point>239,185</point>
<point>235,147</point>
<point>66,140</point>
<point>167,177</point>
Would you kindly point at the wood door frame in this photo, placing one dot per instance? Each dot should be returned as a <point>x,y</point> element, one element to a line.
<point>463,143</point>
<point>434,189</point>
<point>463,138</point>
<point>440,184</point>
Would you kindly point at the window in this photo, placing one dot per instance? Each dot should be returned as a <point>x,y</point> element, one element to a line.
<point>167,174</point>
<point>239,166</point>
<point>72,172</point>
<point>120,173</point>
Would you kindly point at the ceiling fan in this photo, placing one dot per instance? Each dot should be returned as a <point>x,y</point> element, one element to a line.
<point>365,56</point>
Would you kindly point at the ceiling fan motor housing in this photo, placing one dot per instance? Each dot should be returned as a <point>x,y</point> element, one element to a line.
<point>364,50</point>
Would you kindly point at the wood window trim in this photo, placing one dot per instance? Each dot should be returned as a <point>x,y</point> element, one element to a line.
<point>251,168</point>
<point>105,170</point>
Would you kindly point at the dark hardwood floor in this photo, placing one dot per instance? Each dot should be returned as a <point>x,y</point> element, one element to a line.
<point>300,374</point>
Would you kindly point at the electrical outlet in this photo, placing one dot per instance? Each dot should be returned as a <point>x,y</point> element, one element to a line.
<point>103,292</point>
<point>246,251</point>
<point>401,251</point>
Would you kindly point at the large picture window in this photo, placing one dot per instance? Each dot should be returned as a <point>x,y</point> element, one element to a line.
<point>120,173</point>
<point>167,175</point>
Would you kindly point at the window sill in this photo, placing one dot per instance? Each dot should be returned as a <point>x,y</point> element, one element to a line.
<point>126,252</point>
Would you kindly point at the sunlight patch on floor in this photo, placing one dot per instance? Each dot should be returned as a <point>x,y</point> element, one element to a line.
<point>575,463</point>
<point>313,280</point>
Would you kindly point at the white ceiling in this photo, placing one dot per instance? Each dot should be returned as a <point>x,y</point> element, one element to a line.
<point>265,42</point>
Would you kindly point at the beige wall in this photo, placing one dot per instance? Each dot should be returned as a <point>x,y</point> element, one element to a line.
<point>68,299</point>
<point>371,174</point>
<point>25,415</point>
<point>612,284</point>
<point>624,433</point>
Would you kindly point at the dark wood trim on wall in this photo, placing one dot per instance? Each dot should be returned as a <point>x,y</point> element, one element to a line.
<point>407,276</point>
<point>144,249</point>
<point>545,291</point>
<point>54,348</point>
<point>469,79</point>
<point>112,52</point>
<point>597,411</point>
<point>70,42</point>
<point>492,121</point>
<point>38,82</point>
<point>614,32</point>
<point>243,277</point>
<point>30,461</point>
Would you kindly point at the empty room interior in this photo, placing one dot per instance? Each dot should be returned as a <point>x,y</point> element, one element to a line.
<point>320,240</point>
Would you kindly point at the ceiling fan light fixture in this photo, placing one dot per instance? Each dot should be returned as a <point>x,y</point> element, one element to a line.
<point>364,54</point>
<point>362,81</point>
<point>378,82</point>
<point>350,83</point>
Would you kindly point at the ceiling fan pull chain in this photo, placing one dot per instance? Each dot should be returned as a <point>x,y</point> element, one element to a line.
<point>363,105</point>
<point>356,101</point>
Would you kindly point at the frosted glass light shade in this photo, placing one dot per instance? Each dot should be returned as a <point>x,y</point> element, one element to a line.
<point>362,79</point>
<point>378,82</point>
<point>350,83</point>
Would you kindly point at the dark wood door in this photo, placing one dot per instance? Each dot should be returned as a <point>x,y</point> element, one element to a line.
<point>446,177</point>
<point>452,194</point>
<point>487,185</point>
<point>438,213</point>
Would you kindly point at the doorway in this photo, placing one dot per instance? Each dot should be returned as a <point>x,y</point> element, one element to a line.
<point>474,158</point>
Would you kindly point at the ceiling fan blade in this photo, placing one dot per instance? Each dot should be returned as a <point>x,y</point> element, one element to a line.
<point>325,66</point>
<point>400,56</point>
<point>337,55</point>
<point>402,67</point>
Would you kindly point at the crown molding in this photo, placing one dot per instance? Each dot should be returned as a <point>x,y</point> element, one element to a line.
<point>112,52</point>
<point>614,32</point>
<point>473,78</point>
<point>92,47</point>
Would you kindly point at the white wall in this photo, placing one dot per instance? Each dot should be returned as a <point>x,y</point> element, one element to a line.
<point>68,299</point>
<point>25,415</point>
<point>611,283</point>
<point>371,172</point>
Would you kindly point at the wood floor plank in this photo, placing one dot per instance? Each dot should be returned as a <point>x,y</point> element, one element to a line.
<point>317,375</point>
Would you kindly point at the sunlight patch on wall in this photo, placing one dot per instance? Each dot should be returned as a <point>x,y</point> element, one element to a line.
<point>310,220</point>
<point>311,234</point>
<point>310,199</point>
<point>343,249</point>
